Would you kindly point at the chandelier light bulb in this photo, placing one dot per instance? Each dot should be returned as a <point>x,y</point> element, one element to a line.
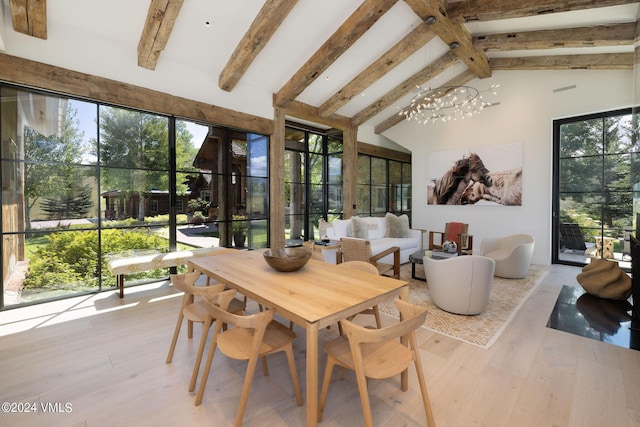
<point>446,103</point>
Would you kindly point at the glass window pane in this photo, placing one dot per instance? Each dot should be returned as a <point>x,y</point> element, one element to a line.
<point>315,168</point>
<point>395,172</point>
<point>315,143</point>
<point>133,139</point>
<point>581,174</point>
<point>582,138</point>
<point>190,137</point>
<point>317,195</point>
<point>258,197</point>
<point>335,198</point>
<point>406,173</point>
<point>61,263</point>
<point>364,169</point>
<point>64,194</point>
<point>258,156</point>
<point>378,199</point>
<point>378,171</point>
<point>127,192</point>
<point>335,169</point>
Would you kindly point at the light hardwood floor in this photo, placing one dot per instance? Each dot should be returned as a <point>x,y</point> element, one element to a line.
<point>105,357</point>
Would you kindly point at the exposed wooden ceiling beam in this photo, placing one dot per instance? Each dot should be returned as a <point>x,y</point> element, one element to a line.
<point>492,10</point>
<point>351,30</point>
<point>265,24</point>
<point>604,61</point>
<point>459,80</point>
<point>417,38</point>
<point>422,76</point>
<point>601,35</point>
<point>451,34</point>
<point>161,16</point>
<point>308,112</point>
<point>29,17</point>
<point>29,73</point>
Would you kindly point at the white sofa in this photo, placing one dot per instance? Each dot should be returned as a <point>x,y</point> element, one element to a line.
<point>377,232</point>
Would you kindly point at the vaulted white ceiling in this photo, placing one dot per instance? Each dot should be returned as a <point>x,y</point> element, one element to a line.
<point>101,38</point>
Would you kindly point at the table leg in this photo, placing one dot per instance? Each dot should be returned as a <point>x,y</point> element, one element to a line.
<point>413,273</point>
<point>312,374</point>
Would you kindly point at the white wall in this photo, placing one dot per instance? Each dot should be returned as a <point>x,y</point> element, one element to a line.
<point>526,112</point>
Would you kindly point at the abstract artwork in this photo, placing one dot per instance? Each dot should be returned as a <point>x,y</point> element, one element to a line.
<point>488,175</point>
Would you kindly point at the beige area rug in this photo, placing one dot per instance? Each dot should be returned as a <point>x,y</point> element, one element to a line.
<point>507,296</point>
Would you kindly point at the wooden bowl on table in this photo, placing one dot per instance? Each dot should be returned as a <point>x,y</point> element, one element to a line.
<point>287,259</point>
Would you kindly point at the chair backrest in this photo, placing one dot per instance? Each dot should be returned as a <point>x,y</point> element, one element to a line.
<point>185,282</point>
<point>413,315</point>
<point>572,237</point>
<point>452,229</point>
<point>460,284</point>
<point>360,265</point>
<point>507,243</point>
<point>519,239</point>
<point>217,307</point>
<point>353,249</point>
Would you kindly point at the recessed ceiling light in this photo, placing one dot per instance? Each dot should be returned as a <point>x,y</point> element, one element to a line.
<point>207,23</point>
<point>327,78</point>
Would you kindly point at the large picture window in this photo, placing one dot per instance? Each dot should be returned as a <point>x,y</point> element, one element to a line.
<point>384,185</point>
<point>596,172</point>
<point>313,181</point>
<point>84,182</point>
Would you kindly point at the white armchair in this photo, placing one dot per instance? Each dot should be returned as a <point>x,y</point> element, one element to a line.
<point>512,254</point>
<point>461,284</point>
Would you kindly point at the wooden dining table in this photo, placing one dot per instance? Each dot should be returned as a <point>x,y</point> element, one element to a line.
<point>315,296</point>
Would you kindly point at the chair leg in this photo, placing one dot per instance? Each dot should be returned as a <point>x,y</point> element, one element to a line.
<point>203,340</point>
<point>246,387</point>
<point>328,370</point>
<point>265,367</point>
<point>294,374</point>
<point>174,340</point>
<point>207,366</point>
<point>189,329</point>
<point>364,399</point>
<point>423,384</point>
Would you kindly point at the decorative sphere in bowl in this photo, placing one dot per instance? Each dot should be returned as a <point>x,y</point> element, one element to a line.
<point>287,259</point>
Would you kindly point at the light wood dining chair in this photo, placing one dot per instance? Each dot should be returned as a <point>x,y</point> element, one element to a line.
<point>250,338</point>
<point>195,311</point>
<point>377,354</point>
<point>369,268</point>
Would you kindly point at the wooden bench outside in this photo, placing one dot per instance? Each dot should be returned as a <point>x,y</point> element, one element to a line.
<point>120,267</point>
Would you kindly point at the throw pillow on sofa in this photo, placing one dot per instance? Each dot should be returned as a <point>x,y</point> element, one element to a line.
<point>397,226</point>
<point>359,227</point>
<point>341,228</point>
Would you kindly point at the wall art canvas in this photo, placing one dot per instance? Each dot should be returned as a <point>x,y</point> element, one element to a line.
<point>488,175</point>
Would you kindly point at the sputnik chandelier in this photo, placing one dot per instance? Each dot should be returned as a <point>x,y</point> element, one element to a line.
<point>446,103</point>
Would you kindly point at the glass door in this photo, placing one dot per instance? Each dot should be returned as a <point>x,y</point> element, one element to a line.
<point>596,174</point>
